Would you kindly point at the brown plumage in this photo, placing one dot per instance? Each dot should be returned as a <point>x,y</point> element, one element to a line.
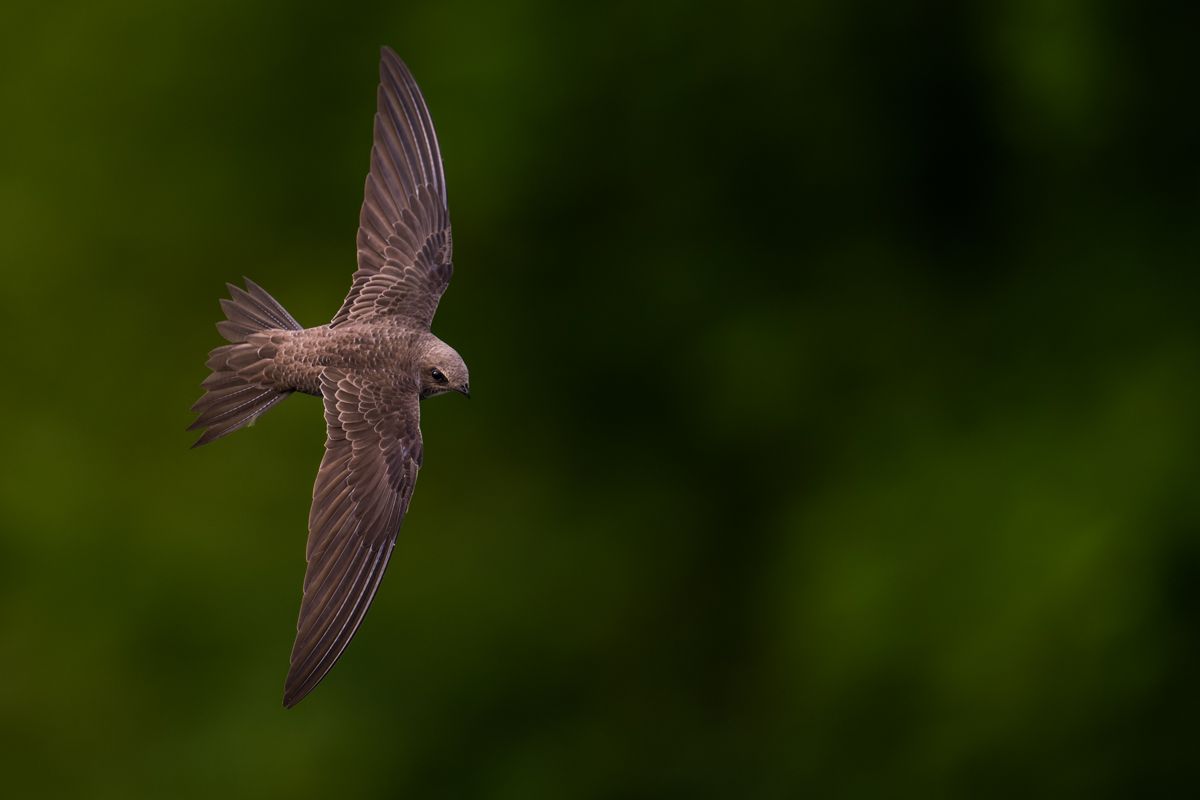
<point>372,365</point>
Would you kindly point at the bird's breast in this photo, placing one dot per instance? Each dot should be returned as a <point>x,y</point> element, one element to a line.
<point>379,349</point>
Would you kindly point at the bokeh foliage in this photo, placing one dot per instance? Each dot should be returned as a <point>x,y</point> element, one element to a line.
<point>835,421</point>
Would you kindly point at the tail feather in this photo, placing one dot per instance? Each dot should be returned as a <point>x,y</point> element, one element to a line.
<point>237,393</point>
<point>252,311</point>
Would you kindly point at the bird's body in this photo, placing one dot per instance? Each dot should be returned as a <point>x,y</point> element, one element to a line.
<point>371,366</point>
<point>385,350</point>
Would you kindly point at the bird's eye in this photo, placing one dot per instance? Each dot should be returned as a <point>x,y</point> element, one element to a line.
<point>437,375</point>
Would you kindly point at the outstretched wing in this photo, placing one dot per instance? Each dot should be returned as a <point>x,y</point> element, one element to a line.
<point>404,245</point>
<point>372,455</point>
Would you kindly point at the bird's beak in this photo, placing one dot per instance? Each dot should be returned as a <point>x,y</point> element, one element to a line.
<point>465,391</point>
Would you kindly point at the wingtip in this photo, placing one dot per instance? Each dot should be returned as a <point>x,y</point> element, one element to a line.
<point>293,695</point>
<point>389,56</point>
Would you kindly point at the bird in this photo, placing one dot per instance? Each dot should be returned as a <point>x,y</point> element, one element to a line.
<point>372,365</point>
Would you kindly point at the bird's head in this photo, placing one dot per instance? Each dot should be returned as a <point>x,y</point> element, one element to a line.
<point>443,370</point>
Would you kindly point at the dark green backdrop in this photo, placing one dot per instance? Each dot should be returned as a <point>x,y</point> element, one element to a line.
<point>835,425</point>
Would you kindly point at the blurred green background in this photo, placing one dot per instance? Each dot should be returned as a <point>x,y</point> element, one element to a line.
<point>835,423</point>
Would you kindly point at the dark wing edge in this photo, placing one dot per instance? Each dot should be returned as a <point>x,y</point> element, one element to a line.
<point>372,455</point>
<point>404,242</point>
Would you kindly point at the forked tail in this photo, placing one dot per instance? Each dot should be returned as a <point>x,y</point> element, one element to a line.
<point>238,390</point>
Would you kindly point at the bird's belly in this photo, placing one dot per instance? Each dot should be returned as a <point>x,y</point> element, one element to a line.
<point>306,354</point>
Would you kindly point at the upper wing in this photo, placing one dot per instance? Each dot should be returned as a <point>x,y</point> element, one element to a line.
<point>404,245</point>
<point>362,491</point>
